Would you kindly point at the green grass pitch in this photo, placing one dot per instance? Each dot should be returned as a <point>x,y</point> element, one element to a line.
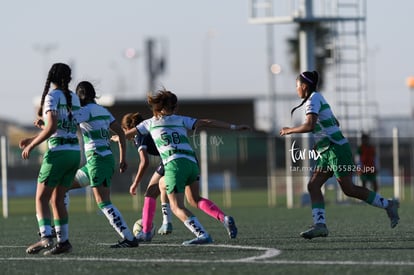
<point>360,241</point>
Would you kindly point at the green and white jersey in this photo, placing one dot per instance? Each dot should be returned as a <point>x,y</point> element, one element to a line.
<point>95,121</point>
<point>170,136</point>
<point>65,136</point>
<point>326,129</point>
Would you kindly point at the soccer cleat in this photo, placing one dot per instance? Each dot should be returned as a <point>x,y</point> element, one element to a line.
<point>204,239</point>
<point>125,243</point>
<point>317,230</point>
<point>44,243</point>
<point>59,248</point>
<point>392,212</point>
<point>166,228</point>
<point>230,226</point>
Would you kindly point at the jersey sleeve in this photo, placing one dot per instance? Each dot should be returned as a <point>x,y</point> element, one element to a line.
<point>189,122</point>
<point>313,105</point>
<point>143,127</point>
<point>51,102</point>
<point>145,142</point>
<point>139,142</point>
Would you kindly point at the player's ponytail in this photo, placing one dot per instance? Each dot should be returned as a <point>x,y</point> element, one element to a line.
<point>300,105</point>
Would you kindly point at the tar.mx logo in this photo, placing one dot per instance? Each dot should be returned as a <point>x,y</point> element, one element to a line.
<point>212,140</point>
<point>302,154</point>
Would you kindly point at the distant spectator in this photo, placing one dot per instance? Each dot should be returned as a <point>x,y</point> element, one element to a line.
<point>368,169</point>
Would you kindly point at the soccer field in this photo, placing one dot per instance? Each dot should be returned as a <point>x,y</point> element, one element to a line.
<point>360,242</point>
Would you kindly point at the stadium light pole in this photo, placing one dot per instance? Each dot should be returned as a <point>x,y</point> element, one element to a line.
<point>410,85</point>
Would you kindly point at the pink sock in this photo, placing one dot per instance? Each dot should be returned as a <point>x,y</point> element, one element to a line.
<point>211,209</point>
<point>148,212</point>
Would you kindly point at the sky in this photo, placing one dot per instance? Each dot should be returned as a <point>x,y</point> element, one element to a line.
<point>93,37</point>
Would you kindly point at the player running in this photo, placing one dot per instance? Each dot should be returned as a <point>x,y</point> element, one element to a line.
<point>96,123</point>
<point>169,132</point>
<point>335,154</point>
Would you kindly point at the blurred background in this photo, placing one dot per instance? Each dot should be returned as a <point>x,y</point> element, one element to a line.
<point>231,60</point>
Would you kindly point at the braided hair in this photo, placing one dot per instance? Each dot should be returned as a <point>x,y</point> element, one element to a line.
<point>311,79</point>
<point>60,75</point>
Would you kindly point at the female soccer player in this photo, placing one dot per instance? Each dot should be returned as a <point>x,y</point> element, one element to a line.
<point>58,107</point>
<point>335,156</point>
<point>96,123</point>
<point>169,132</point>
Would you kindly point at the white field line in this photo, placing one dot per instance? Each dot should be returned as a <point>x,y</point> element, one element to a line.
<point>265,258</point>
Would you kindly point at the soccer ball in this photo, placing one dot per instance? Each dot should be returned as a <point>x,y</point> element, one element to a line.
<point>137,227</point>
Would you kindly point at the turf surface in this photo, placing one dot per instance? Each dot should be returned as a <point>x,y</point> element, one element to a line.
<point>360,242</point>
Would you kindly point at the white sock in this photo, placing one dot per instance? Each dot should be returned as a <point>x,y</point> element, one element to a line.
<point>62,232</point>
<point>166,213</point>
<point>118,223</point>
<point>195,227</point>
<point>44,230</point>
<point>318,215</point>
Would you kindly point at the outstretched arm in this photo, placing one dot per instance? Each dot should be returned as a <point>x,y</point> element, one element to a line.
<point>212,123</point>
<point>143,165</point>
<point>306,127</point>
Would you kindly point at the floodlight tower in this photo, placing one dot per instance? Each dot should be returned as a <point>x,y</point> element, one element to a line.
<point>345,19</point>
<point>156,61</point>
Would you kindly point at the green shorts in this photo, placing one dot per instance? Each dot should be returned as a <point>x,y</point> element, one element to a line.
<point>99,170</point>
<point>337,159</point>
<point>179,173</point>
<point>59,167</point>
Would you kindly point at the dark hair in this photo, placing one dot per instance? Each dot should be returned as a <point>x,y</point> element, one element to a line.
<point>85,92</point>
<point>311,79</point>
<point>162,100</point>
<point>60,75</point>
<point>131,120</point>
